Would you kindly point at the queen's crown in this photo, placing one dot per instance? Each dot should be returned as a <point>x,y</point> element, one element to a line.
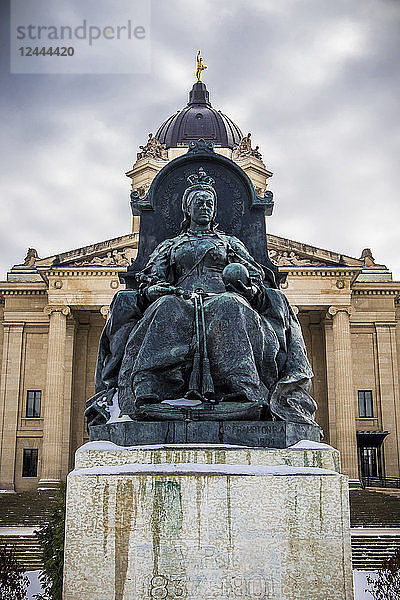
<point>200,178</point>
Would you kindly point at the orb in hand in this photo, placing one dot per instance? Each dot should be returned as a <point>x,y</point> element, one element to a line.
<point>233,273</point>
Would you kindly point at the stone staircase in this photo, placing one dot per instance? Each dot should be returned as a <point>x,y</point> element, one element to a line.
<point>371,548</point>
<point>20,515</point>
<point>25,545</point>
<point>25,509</point>
<point>370,508</point>
<point>375,522</point>
<point>389,491</point>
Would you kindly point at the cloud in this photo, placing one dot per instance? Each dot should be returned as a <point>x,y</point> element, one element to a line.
<point>316,82</point>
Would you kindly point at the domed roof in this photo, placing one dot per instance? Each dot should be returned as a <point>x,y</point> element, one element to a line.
<point>199,120</point>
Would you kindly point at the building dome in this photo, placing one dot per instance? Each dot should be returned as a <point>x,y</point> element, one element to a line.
<point>199,120</point>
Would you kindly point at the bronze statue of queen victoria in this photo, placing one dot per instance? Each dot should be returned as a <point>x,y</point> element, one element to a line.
<point>205,328</point>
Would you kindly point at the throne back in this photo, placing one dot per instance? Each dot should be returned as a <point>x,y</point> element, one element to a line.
<point>240,211</point>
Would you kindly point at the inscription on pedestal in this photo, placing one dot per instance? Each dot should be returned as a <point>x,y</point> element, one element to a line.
<point>264,434</point>
<point>218,574</point>
<point>194,587</point>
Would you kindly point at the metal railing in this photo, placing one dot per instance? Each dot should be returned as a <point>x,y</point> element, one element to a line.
<point>382,482</point>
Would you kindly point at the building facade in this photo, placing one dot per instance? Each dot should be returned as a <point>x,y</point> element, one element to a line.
<point>53,310</point>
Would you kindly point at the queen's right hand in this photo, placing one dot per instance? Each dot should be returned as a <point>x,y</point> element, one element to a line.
<point>157,290</point>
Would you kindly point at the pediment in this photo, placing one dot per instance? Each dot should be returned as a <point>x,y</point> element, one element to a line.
<point>117,252</point>
<point>121,251</point>
<point>288,253</point>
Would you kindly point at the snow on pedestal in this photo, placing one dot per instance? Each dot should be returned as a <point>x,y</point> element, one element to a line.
<point>200,522</point>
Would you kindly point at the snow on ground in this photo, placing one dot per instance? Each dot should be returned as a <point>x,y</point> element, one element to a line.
<point>104,445</point>
<point>361,586</point>
<point>309,445</point>
<point>34,584</point>
<point>200,469</point>
<point>15,531</point>
<point>182,402</point>
<point>371,531</point>
<point>115,411</point>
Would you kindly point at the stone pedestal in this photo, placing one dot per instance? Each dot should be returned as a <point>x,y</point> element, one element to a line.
<point>204,522</point>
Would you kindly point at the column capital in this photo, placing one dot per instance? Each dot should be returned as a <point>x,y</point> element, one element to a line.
<point>334,310</point>
<point>51,308</point>
<point>105,311</point>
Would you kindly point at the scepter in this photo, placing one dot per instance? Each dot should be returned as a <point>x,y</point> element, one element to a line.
<point>207,384</point>
<point>194,383</point>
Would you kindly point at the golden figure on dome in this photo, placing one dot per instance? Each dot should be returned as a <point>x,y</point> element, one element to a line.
<point>200,66</point>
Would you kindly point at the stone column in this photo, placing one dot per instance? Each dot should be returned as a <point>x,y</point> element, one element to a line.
<point>54,397</point>
<point>9,401</point>
<point>79,390</point>
<point>319,380</point>
<point>389,394</point>
<point>330,380</point>
<point>68,379</point>
<point>344,391</point>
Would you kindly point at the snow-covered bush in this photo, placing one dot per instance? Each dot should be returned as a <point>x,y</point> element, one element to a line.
<point>51,539</point>
<point>386,584</point>
<point>13,582</point>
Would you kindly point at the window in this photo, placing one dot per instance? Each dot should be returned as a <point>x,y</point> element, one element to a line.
<point>33,401</point>
<point>30,461</point>
<point>365,408</point>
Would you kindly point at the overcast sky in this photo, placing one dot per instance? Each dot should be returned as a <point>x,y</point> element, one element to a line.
<point>316,82</point>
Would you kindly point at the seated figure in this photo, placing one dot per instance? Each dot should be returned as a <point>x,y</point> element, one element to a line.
<point>205,324</point>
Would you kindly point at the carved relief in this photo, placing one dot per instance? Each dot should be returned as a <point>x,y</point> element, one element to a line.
<point>165,199</point>
<point>289,257</point>
<point>123,257</point>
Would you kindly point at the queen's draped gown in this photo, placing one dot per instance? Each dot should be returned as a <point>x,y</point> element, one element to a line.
<point>255,350</point>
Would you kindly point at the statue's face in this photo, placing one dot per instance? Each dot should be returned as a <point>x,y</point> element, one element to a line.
<point>201,209</point>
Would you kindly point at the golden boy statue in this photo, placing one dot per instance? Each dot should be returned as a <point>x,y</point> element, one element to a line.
<point>200,66</point>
